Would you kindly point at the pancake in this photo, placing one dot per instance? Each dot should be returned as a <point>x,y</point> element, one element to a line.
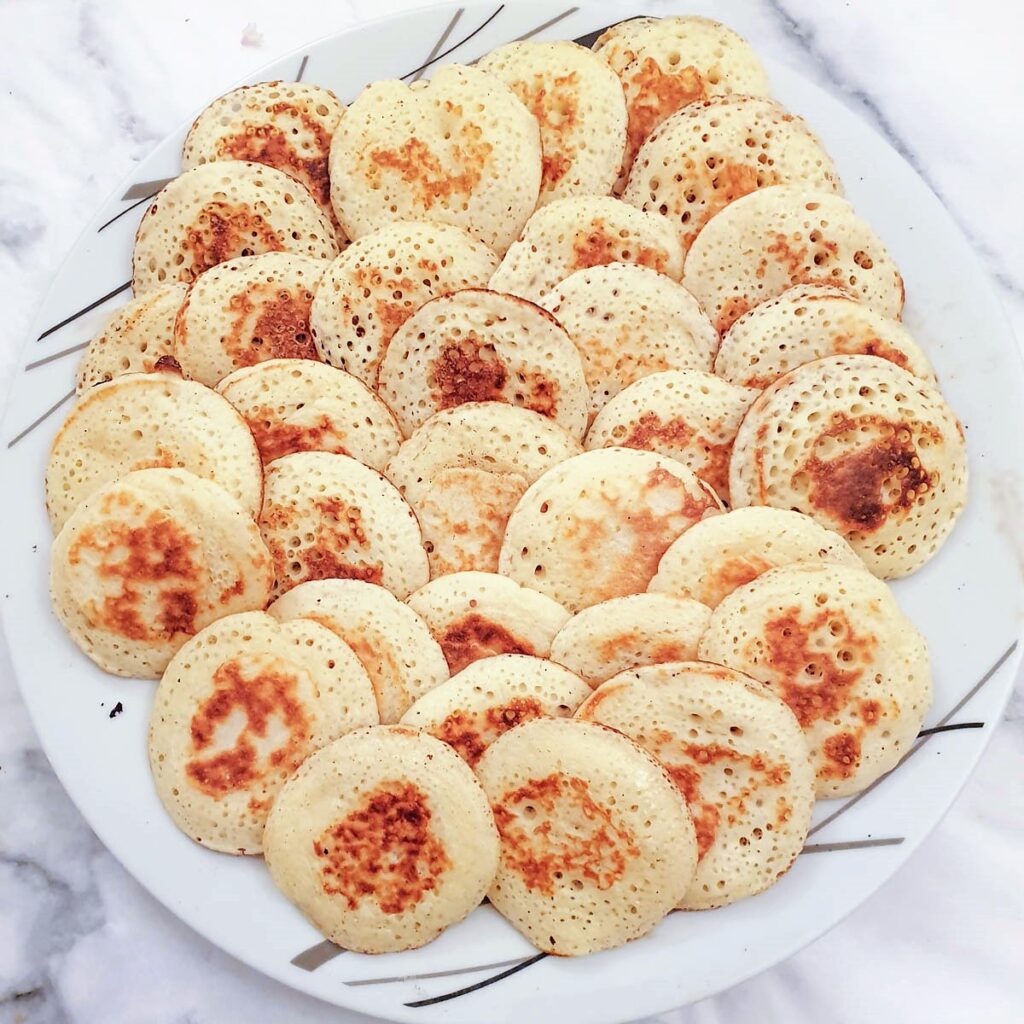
<point>460,149</point>
<point>641,629</point>
<point>713,558</point>
<point>298,405</point>
<point>595,526</point>
<point>577,100</point>
<point>143,420</point>
<point>481,346</point>
<point>245,311</point>
<point>327,516</point>
<point>147,561</point>
<point>866,449</point>
<point>737,754</point>
<point>239,708</point>
<point>809,322</point>
<point>218,211</point>
<point>393,643</point>
<point>687,415</point>
<point>597,844</point>
<point>486,699</point>
<point>784,235</point>
<point>382,839</point>
<point>582,232</point>
<point>475,615</point>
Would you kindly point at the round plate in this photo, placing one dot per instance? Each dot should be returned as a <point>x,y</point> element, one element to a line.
<point>967,602</point>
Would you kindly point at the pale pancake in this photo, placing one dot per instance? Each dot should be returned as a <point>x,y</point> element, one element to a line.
<point>597,844</point>
<point>626,632</point>
<point>149,560</point>
<point>738,756</point>
<point>809,322</point>
<point>595,526</point>
<point>713,558</point>
<point>486,699</point>
<point>218,211</point>
<point>831,641</point>
<point>784,235</point>
<point>139,421</point>
<point>687,415</point>
<point>403,660</point>
<point>475,615</point>
<point>866,449</point>
<point>382,839</point>
<point>298,405</point>
<point>327,516</point>
<point>239,708</point>
<point>460,149</point>
<point>482,346</point>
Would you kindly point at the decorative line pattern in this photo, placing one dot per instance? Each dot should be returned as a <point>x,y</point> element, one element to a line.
<point>434,974</point>
<point>455,46</point>
<point>35,423</point>
<point>856,844</point>
<point>57,355</point>
<point>302,67</point>
<point>85,309</point>
<point>316,956</point>
<point>416,75</point>
<point>547,24</point>
<point>951,728</point>
<point>146,189</point>
<point>480,984</point>
<point>128,209</point>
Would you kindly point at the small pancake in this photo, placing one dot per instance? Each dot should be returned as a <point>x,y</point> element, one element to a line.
<point>737,754</point>
<point>482,346</point>
<point>784,235</point>
<point>486,699</point>
<point>640,629</point>
<point>713,558</point>
<point>475,615</point>
<point>597,844</point>
<point>245,311</point>
<point>809,322</point>
<point>687,415</point>
<point>298,405</point>
<point>866,449</point>
<point>595,526</point>
<point>327,516</point>
<point>138,421</point>
<point>403,660</point>
<point>147,561</point>
<point>218,211</point>
<point>831,641</point>
<point>291,687</point>
<point>382,839</point>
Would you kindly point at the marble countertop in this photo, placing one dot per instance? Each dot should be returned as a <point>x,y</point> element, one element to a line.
<point>86,89</point>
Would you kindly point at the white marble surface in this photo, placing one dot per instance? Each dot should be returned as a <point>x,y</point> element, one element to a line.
<point>85,90</point>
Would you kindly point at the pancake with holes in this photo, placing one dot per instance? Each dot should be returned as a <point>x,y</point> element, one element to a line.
<point>738,756</point>
<point>708,154</point>
<point>809,322</point>
<point>244,312</point>
<point>483,346</point>
<point>831,641</point>
<point>239,708</point>
<point>486,699</point>
<point>582,232</point>
<point>140,421</point>
<point>687,415</point>
<point>595,526</point>
<point>597,844</point>
<point>382,839</point>
<point>299,405</point>
<point>136,337</point>
<point>327,516</point>
<point>640,629</point>
<point>147,561</point>
<point>393,643</point>
<point>460,149</point>
<point>866,449</point>
<point>577,100</point>
<point>475,615</point>
<point>785,235</point>
<point>219,211</point>
<point>713,558</point>
<point>629,321</point>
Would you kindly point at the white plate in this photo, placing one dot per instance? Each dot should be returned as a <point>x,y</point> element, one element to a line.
<point>967,601</point>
